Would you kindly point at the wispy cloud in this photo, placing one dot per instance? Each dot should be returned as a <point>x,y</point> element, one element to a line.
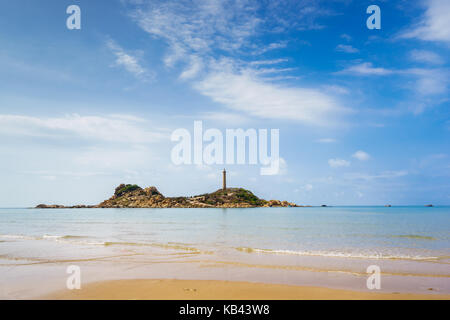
<point>110,128</point>
<point>259,50</point>
<point>224,117</point>
<point>267,62</point>
<point>245,92</point>
<point>207,38</point>
<point>128,61</point>
<point>361,155</point>
<point>194,67</point>
<point>336,163</point>
<point>383,175</point>
<point>116,159</point>
<point>326,140</point>
<point>426,56</point>
<point>200,26</point>
<point>52,175</point>
<point>424,83</point>
<point>434,25</point>
<point>346,37</point>
<point>430,81</point>
<point>366,68</point>
<point>346,48</point>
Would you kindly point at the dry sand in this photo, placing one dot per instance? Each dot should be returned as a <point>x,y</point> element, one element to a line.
<point>220,290</point>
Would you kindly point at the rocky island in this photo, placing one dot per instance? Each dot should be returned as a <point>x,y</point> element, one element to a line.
<point>133,196</point>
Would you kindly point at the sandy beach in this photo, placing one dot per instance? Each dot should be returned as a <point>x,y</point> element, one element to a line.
<point>261,253</point>
<point>220,290</point>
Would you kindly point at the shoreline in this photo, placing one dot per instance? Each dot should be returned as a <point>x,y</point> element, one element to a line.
<point>330,248</point>
<point>174,289</point>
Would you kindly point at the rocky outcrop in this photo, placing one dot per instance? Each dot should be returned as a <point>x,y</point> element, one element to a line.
<point>58,206</point>
<point>49,206</point>
<point>133,196</point>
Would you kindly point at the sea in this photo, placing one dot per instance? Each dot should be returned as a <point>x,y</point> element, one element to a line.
<point>315,246</point>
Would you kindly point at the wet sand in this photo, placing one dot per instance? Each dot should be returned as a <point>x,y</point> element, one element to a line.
<point>220,290</point>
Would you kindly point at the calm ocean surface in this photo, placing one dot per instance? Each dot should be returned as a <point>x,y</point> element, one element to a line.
<point>411,233</point>
<point>303,246</point>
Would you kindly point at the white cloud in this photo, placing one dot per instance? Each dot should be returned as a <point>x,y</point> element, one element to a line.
<point>346,37</point>
<point>426,56</point>
<point>193,69</point>
<point>115,159</point>
<point>366,68</point>
<point>307,187</point>
<point>264,71</point>
<point>434,25</point>
<point>424,83</point>
<point>128,61</point>
<point>346,48</point>
<point>270,47</point>
<point>430,81</point>
<point>110,128</point>
<point>361,155</point>
<point>383,175</point>
<point>53,175</point>
<point>247,93</point>
<point>202,34</point>
<point>326,140</point>
<point>266,62</point>
<point>224,117</point>
<point>283,167</point>
<point>197,27</point>
<point>335,89</point>
<point>336,163</point>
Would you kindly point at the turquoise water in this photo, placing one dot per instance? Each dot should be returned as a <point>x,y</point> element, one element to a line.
<point>330,247</point>
<point>409,233</point>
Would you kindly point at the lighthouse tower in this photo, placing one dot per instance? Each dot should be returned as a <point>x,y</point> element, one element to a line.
<point>224,180</point>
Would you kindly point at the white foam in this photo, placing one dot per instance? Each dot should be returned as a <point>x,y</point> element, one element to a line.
<point>58,238</point>
<point>337,254</point>
<point>18,236</point>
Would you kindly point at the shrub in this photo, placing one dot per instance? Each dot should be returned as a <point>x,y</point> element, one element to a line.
<point>122,189</point>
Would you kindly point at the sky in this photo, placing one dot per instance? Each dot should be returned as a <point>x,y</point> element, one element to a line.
<point>363,114</point>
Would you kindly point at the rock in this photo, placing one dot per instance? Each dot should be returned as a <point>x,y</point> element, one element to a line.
<point>51,206</point>
<point>274,203</point>
<point>133,196</point>
<point>152,191</point>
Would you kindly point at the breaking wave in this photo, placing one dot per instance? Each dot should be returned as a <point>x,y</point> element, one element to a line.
<point>337,254</point>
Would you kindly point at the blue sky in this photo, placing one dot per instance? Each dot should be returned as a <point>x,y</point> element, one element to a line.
<point>363,114</point>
